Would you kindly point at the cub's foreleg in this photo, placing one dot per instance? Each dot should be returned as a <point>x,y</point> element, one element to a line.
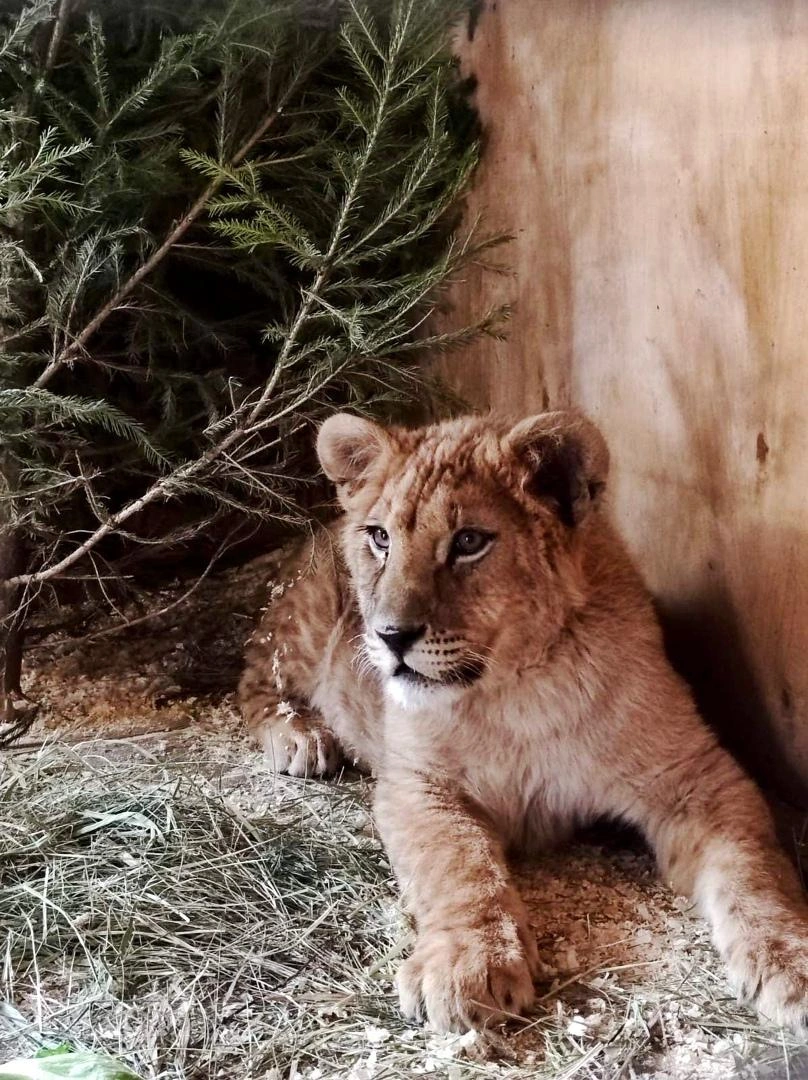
<point>475,953</point>
<point>282,668</point>
<point>715,840</point>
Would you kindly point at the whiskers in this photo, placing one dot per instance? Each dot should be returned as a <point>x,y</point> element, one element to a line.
<point>471,667</point>
<point>485,660</point>
<point>361,661</point>
<point>457,665</point>
<point>454,664</point>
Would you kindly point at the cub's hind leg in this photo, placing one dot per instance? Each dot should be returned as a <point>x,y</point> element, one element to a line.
<point>282,669</point>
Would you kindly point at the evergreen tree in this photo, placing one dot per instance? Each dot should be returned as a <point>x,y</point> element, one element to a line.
<point>217,223</point>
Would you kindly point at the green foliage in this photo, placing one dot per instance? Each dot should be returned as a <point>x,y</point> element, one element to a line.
<point>218,221</point>
<point>62,1064</point>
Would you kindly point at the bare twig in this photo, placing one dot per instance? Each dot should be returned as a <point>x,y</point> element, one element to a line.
<point>128,624</point>
<point>77,741</point>
<point>19,718</point>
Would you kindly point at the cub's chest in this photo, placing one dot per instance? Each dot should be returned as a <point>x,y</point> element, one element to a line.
<point>520,757</point>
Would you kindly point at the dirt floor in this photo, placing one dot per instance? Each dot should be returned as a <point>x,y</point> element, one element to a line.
<point>632,986</point>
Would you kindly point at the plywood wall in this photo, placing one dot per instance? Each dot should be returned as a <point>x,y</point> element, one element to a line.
<point>651,159</point>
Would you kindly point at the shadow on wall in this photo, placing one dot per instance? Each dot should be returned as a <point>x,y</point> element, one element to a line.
<point>706,646</point>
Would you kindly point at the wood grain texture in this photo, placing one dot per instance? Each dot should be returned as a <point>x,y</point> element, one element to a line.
<point>651,159</point>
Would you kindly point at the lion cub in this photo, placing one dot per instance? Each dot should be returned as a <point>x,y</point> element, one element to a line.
<point>474,632</point>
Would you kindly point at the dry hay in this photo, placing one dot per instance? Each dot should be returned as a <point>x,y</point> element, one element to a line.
<point>208,920</point>
<point>146,916</point>
<point>165,898</point>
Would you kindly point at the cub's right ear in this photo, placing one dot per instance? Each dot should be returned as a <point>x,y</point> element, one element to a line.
<point>347,446</point>
<point>566,459</point>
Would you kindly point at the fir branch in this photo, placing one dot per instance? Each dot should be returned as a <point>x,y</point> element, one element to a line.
<point>12,43</point>
<point>72,351</point>
<point>334,224</point>
<point>41,405</point>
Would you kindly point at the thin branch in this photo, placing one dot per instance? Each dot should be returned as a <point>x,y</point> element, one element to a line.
<point>59,25</point>
<point>69,352</point>
<point>127,624</point>
<point>77,741</point>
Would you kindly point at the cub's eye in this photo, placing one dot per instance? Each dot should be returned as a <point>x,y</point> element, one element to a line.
<point>379,537</point>
<point>469,544</point>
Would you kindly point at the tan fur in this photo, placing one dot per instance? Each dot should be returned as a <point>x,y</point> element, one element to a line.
<point>576,713</point>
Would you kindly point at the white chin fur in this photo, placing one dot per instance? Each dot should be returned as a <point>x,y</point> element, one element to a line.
<point>412,696</point>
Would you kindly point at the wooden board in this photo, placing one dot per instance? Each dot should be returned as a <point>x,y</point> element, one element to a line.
<point>651,159</point>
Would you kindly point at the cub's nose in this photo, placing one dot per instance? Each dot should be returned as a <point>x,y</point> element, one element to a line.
<point>399,638</point>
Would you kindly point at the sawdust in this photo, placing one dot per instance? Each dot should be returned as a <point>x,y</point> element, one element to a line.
<point>174,666</point>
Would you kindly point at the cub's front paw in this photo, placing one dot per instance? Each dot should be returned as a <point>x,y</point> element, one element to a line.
<point>769,967</point>
<point>464,977</point>
<point>292,746</point>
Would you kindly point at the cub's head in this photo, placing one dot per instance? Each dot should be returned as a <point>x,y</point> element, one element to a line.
<point>464,541</point>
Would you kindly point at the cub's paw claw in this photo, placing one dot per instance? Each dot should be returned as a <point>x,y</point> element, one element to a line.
<point>770,970</point>
<point>466,977</point>
<point>303,751</point>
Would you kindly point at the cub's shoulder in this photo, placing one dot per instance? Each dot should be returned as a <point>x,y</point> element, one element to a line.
<point>619,607</point>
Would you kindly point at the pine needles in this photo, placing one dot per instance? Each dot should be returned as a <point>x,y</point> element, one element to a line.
<point>216,225</point>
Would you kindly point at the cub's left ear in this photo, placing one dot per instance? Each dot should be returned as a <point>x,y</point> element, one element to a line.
<point>566,459</point>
